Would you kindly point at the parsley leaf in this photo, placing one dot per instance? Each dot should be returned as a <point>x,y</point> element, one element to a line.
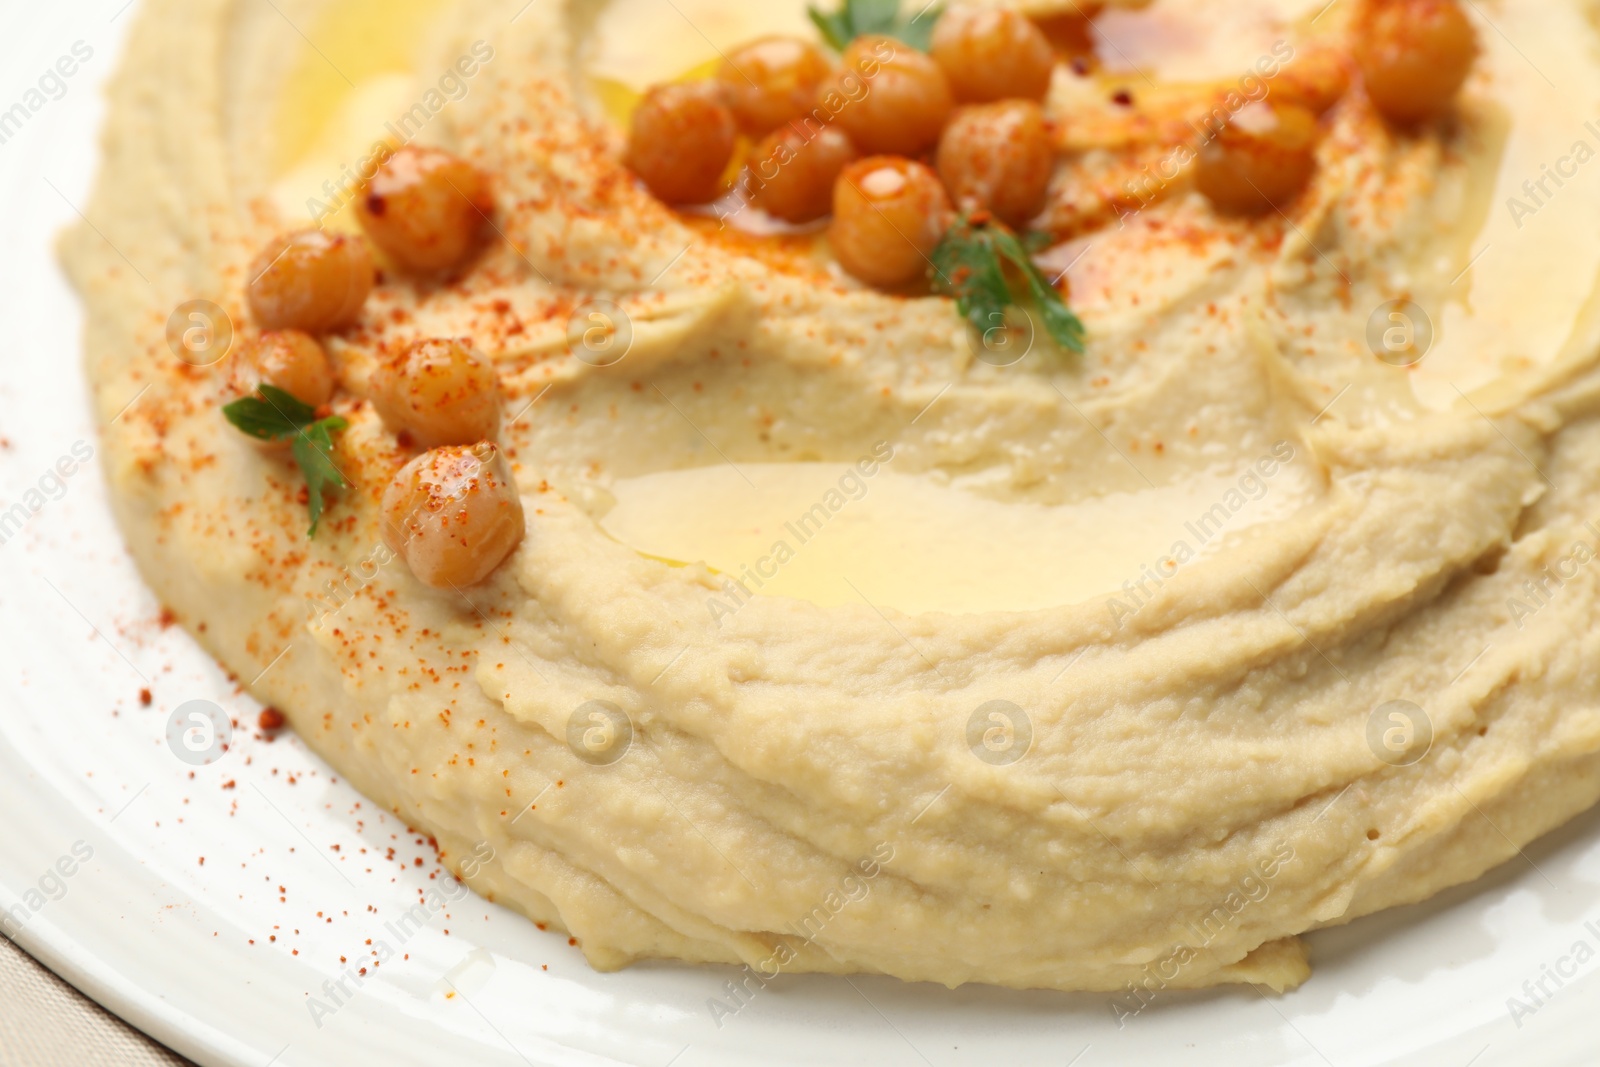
<point>858,18</point>
<point>967,268</point>
<point>313,450</point>
<point>270,415</point>
<point>971,264</point>
<point>274,415</point>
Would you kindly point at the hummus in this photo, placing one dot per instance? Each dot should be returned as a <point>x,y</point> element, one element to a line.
<point>832,646</point>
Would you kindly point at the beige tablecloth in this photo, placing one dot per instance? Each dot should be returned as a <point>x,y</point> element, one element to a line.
<point>44,1022</point>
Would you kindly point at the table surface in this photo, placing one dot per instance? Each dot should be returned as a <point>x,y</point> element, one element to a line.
<point>44,1022</point>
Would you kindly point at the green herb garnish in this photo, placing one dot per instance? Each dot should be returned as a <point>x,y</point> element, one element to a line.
<point>858,18</point>
<point>980,262</point>
<point>274,415</point>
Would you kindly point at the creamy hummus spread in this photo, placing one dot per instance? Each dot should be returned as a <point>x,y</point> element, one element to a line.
<point>835,643</point>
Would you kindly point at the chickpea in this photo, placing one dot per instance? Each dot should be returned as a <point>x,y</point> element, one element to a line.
<point>1073,38</point>
<point>440,392</point>
<point>772,81</point>
<point>888,214</point>
<point>999,157</point>
<point>993,54</point>
<point>294,362</point>
<point>453,514</point>
<point>312,281</point>
<point>888,97</point>
<point>1414,55</point>
<point>1318,76</point>
<point>425,209</point>
<point>681,142</point>
<point>1263,157</point>
<point>793,171</point>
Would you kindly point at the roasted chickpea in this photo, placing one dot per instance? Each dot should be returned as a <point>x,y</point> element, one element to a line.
<point>999,157</point>
<point>772,81</point>
<point>453,514</point>
<point>1414,55</point>
<point>793,171</point>
<point>888,214</point>
<point>888,97</point>
<point>294,362</point>
<point>1072,37</point>
<point>1318,76</point>
<point>682,141</point>
<point>440,392</point>
<point>993,53</point>
<point>1263,157</point>
<point>425,209</point>
<point>312,281</point>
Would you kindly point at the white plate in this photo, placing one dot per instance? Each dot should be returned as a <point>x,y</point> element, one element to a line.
<point>184,951</point>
